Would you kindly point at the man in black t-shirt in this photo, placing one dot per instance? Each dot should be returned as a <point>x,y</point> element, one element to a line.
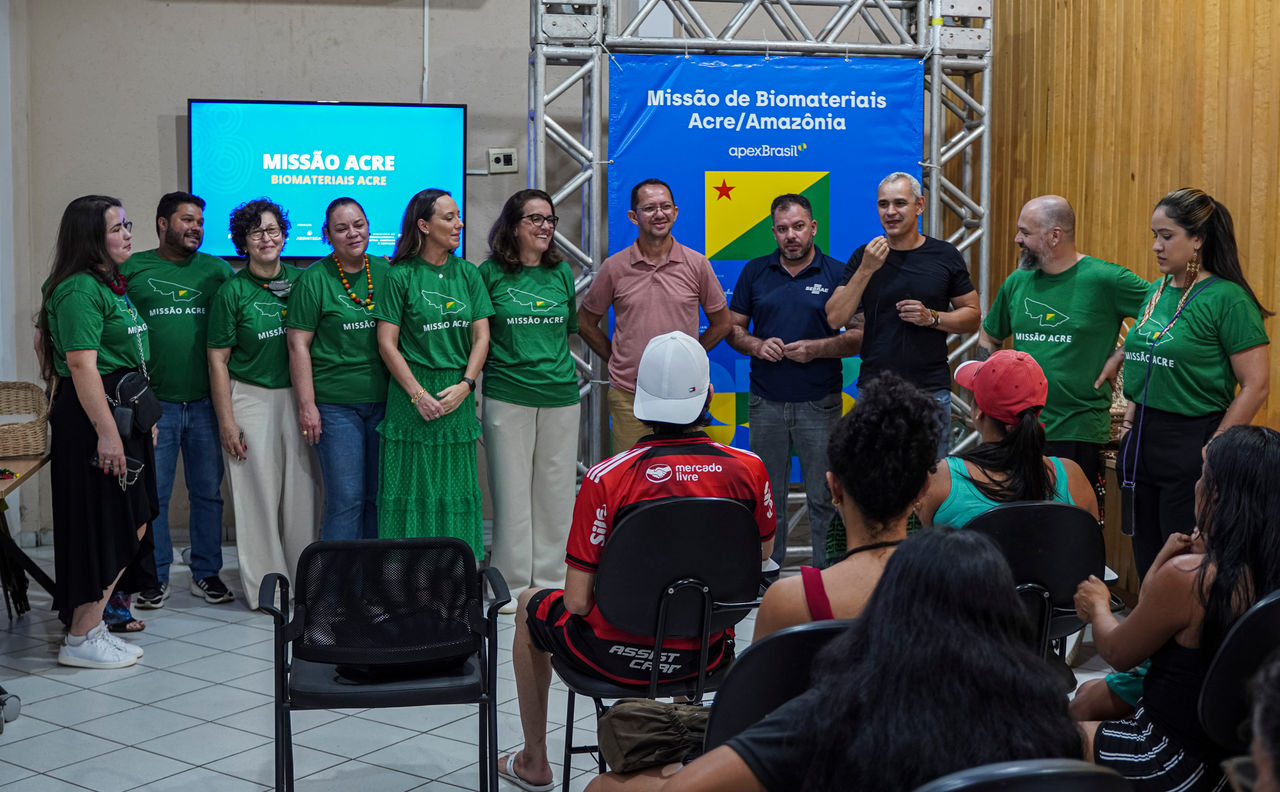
<point>908,291</point>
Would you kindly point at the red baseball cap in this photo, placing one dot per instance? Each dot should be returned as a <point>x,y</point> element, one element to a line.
<point>1005,384</point>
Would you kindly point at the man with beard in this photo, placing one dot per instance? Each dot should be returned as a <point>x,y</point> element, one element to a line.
<point>911,291</point>
<point>172,287</point>
<point>795,398</point>
<point>1064,309</point>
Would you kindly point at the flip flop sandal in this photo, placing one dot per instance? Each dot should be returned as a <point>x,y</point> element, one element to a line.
<point>128,626</point>
<point>118,617</point>
<point>507,770</point>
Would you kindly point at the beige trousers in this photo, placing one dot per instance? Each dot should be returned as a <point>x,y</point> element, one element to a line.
<point>625,429</point>
<point>532,456</point>
<point>275,491</point>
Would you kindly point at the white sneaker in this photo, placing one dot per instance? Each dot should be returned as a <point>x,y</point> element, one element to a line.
<point>97,651</point>
<point>119,642</point>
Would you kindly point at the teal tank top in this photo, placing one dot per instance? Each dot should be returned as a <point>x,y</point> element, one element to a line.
<point>966,501</point>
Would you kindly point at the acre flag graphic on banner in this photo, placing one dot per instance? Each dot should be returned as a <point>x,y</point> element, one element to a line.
<point>731,133</point>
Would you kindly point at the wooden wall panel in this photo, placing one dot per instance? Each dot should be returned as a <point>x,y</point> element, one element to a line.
<point>1112,103</point>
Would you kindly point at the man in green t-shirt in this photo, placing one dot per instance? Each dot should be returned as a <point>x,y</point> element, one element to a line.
<point>172,287</point>
<point>1064,308</point>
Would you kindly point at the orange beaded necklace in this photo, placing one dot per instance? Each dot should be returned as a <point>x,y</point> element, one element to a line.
<point>368,276</point>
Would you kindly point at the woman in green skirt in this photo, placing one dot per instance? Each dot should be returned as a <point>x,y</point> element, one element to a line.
<point>433,334</point>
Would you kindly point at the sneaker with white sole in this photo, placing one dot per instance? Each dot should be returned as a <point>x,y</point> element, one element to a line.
<point>121,643</point>
<point>212,589</point>
<point>152,598</point>
<point>97,651</point>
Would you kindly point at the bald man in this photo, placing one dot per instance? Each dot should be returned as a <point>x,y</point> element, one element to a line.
<point>1064,308</point>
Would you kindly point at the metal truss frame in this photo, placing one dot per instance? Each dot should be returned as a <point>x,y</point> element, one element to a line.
<point>568,156</point>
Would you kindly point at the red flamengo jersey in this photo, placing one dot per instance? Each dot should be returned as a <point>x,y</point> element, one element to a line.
<point>685,466</point>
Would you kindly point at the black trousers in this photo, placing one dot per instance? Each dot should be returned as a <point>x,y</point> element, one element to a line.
<point>1158,465</point>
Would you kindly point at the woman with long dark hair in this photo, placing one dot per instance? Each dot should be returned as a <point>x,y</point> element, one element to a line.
<point>433,334</point>
<point>530,417</point>
<point>103,472</point>
<point>275,486</point>
<point>1009,391</point>
<point>879,459</point>
<point>339,380</point>
<point>936,675</point>
<point>1199,336</point>
<point>1198,585</point>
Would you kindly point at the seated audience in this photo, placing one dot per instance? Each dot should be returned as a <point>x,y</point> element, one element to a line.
<point>937,675</point>
<point>673,392</point>
<point>1009,390</point>
<point>1197,586</point>
<point>879,458</point>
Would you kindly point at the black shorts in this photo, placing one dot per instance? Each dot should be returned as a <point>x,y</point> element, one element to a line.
<point>571,638</point>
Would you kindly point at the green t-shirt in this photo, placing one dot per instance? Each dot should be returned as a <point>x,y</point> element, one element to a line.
<point>534,311</point>
<point>1188,370</point>
<point>345,365</point>
<point>434,307</point>
<point>85,314</point>
<point>174,298</point>
<point>249,319</point>
<point>1069,322</point>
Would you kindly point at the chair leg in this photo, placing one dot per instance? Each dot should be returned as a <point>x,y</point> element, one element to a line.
<point>568,744</point>
<point>288,749</point>
<point>484,746</point>
<point>279,746</point>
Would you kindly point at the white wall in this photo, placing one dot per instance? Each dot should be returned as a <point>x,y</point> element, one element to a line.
<point>99,90</point>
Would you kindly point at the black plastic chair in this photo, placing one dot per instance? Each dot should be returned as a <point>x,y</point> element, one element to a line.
<point>385,623</point>
<point>671,568</point>
<point>1054,545</point>
<point>771,672</point>
<point>1224,696</point>
<point>1032,775</point>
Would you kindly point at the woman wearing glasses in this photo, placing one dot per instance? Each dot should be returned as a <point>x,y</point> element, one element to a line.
<point>104,489</point>
<point>530,417</point>
<point>273,476</point>
<point>433,334</point>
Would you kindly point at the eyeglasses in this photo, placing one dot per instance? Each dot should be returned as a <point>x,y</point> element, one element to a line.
<point>257,234</point>
<point>541,219</point>
<point>652,209</point>
<point>127,225</point>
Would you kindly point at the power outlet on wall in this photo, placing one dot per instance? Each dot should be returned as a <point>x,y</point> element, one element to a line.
<point>503,160</point>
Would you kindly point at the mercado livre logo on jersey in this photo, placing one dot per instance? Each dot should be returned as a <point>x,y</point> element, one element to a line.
<point>447,305</point>
<point>739,226</point>
<point>532,301</point>
<point>658,473</point>
<point>1048,316</point>
<point>177,291</point>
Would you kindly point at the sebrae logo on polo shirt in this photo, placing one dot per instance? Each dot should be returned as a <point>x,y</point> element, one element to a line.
<point>1154,334</point>
<point>1047,315</point>
<point>177,291</point>
<point>658,473</point>
<point>447,305</point>
<point>532,301</point>
<point>816,289</point>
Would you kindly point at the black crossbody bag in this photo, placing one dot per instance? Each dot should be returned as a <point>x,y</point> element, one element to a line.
<point>134,405</point>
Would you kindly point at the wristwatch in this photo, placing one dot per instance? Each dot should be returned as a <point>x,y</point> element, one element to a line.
<point>470,383</point>
<point>934,316</point>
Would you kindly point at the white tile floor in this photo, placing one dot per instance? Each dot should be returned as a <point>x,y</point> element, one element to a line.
<point>195,713</point>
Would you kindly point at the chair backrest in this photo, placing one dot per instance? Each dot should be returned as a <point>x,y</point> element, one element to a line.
<point>767,675</point>
<point>1054,545</point>
<point>1032,775</point>
<point>657,543</point>
<point>387,601</point>
<point>1224,696</point>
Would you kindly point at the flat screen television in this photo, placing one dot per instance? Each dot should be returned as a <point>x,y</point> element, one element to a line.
<point>304,154</point>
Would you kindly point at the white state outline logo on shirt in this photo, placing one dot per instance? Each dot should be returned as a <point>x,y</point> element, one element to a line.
<point>270,309</point>
<point>532,301</point>
<point>1046,314</point>
<point>177,291</point>
<point>1152,330</point>
<point>447,305</point>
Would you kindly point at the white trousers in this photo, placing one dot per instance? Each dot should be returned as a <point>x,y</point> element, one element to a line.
<point>532,455</point>
<point>275,491</point>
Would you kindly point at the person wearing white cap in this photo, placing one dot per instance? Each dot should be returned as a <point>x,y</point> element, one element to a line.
<point>673,389</point>
<point>1009,391</point>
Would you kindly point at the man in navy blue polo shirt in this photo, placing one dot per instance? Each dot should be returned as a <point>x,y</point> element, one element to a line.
<point>779,320</point>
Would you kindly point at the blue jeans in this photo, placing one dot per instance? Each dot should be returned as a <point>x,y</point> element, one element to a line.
<point>349,451</point>
<point>944,419</point>
<point>777,427</point>
<point>192,428</point>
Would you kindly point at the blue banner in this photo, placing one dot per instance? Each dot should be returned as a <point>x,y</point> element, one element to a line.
<point>750,129</point>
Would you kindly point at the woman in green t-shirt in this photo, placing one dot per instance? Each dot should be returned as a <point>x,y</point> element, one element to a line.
<point>433,334</point>
<point>339,380</point>
<point>274,482</point>
<point>531,414</point>
<point>1199,336</point>
<point>104,487</point>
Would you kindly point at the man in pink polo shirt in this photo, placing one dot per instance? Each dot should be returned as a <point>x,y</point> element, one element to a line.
<point>655,287</point>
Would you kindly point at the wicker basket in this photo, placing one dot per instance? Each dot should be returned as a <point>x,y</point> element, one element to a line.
<point>30,437</point>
